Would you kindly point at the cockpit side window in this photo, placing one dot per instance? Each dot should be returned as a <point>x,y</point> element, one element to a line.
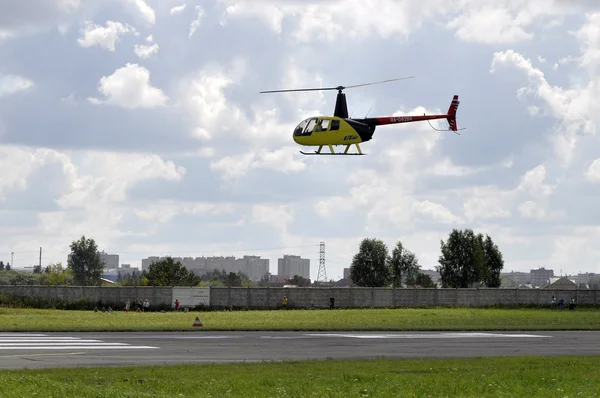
<point>335,125</point>
<point>323,125</point>
<point>310,127</point>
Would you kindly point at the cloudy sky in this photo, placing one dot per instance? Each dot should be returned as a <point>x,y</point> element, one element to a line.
<point>139,123</point>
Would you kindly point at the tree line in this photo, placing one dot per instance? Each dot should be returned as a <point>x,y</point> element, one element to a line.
<point>467,260</point>
<point>85,267</point>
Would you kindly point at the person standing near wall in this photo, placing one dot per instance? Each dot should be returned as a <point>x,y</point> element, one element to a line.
<point>176,305</point>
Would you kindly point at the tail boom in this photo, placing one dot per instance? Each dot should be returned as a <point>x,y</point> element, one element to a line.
<point>382,121</point>
<point>450,117</point>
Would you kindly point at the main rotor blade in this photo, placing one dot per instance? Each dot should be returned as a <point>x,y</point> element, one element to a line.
<point>339,88</point>
<point>382,81</point>
<point>299,89</point>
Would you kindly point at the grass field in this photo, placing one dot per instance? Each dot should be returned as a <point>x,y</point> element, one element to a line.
<point>477,377</point>
<point>361,319</point>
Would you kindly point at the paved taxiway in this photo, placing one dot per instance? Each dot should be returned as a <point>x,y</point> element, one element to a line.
<point>44,350</point>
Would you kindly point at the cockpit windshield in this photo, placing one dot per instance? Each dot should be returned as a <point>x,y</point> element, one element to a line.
<point>300,128</point>
<point>305,127</point>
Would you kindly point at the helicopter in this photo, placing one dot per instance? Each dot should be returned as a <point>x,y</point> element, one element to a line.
<point>340,129</point>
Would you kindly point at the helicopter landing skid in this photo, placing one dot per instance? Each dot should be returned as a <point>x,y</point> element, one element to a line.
<point>329,154</point>
<point>332,152</point>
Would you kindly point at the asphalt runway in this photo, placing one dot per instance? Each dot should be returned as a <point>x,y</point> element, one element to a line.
<point>47,350</point>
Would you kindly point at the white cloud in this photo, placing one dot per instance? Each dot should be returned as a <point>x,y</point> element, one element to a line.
<point>479,21</point>
<point>163,211</point>
<point>145,52</point>
<point>271,14</point>
<point>284,160</point>
<point>17,164</point>
<point>177,9</point>
<point>202,97</point>
<point>11,84</point>
<point>5,34</point>
<point>196,22</point>
<point>115,174</point>
<point>93,198</point>
<point>593,171</point>
<point>144,10</point>
<point>103,36</point>
<point>130,87</point>
<point>505,21</point>
<point>573,107</point>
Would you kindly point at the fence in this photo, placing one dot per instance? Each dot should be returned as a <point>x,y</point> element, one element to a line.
<point>270,297</point>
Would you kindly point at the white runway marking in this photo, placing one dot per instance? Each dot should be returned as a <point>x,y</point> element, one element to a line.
<point>23,341</point>
<point>426,335</point>
<point>90,347</point>
<point>199,337</point>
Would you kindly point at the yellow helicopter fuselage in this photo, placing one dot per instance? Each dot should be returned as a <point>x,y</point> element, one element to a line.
<point>331,130</point>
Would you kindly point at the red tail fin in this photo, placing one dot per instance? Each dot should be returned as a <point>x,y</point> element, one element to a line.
<point>452,113</point>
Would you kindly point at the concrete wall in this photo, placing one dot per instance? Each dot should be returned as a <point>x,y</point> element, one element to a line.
<point>115,297</point>
<point>238,297</point>
<point>271,297</point>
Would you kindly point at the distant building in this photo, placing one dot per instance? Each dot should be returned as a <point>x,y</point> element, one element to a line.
<point>507,282</point>
<point>254,267</point>
<point>290,265</point>
<point>126,269</point>
<point>541,276</point>
<point>587,278</point>
<point>520,278</point>
<point>563,283</point>
<point>347,273</point>
<point>111,261</point>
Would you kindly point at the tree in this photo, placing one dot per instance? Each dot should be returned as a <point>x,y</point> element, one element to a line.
<point>421,279</point>
<point>85,262</point>
<point>7,267</point>
<point>297,280</point>
<point>468,259</point>
<point>167,272</point>
<point>264,281</point>
<point>233,280</point>
<point>1,266</point>
<point>54,274</point>
<point>403,265</point>
<point>494,262</point>
<point>370,265</point>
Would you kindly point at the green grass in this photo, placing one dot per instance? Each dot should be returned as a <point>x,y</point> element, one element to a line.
<point>475,377</point>
<point>360,319</point>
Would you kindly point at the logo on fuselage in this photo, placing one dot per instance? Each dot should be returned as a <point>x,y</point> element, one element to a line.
<point>350,137</point>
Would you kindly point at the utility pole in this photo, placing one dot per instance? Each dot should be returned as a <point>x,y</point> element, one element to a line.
<point>40,264</point>
<point>12,257</point>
